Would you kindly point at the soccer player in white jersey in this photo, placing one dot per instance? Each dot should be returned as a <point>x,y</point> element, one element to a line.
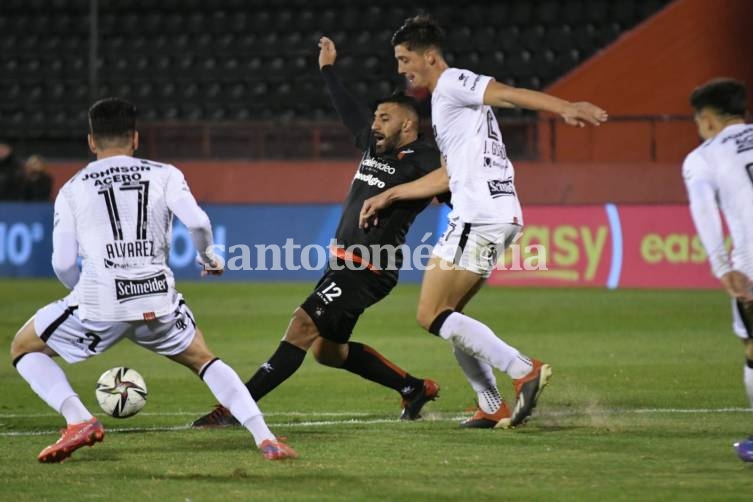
<point>116,214</point>
<point>486,213</point>
<point>719,175</point>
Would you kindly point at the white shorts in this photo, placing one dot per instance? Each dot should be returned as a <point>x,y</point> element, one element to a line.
<point>74,339</point>
<point>742,326</point>
<point>475,247</point>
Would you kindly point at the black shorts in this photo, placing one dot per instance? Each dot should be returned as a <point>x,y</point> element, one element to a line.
<point>341,296</point>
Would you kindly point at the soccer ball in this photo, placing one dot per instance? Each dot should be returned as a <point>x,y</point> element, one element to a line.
<point>121,392</point>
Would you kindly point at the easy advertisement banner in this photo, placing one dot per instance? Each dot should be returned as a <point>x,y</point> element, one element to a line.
<point>608,246</point>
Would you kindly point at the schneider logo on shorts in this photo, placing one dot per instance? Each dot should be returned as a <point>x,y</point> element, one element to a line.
<point>128,289</point>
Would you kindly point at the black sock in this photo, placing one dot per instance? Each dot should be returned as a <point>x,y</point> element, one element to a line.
<point>284,362</point>
<point>371,365</point>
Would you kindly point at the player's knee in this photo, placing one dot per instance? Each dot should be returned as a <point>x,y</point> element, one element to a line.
<point>302,331</point>
<point>425,316</point>
<point>432,320</point>
<point>196,361</point>
<point>196,355</point>
<point>25,341</point>
<point>328,354</point>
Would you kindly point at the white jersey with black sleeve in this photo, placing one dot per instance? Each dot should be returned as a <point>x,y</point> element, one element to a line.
<point>482,178</point>
<point>719,175</point>
<point>116,214</point>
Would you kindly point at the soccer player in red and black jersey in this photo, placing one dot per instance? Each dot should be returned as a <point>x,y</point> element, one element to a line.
<point>393,154</point>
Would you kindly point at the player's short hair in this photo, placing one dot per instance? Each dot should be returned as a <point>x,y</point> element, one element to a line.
<point>419,33</point>
<point>725,96</point>
<point>403,100</point>
<point>112,120</point>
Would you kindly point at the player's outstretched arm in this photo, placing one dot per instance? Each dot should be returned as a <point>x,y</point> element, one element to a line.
<point>575,114</point>
<point>352,113</point>
<point>182,203</point>
<point>434,183</point>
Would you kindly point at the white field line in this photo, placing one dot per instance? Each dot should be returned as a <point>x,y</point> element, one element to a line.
<point>199,413</point>
<point>431,417</point>
<point>558,413</point>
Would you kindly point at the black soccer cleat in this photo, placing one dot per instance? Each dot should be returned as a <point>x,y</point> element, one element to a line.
<point>218,417</point>
<point>412,406</point>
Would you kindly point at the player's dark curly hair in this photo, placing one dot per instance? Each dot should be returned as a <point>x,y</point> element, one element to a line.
<point>112,120</point>
<point>725,95</point>
<point>401,99</point>
<point>419,33</point>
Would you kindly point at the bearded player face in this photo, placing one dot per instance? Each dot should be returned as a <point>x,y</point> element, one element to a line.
<point>391,122</point>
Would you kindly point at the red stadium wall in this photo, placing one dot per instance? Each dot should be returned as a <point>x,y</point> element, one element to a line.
<point>328,182</point>
<point>651,70</point>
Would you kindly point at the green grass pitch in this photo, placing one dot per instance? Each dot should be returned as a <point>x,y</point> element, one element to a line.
<point>645,403</point>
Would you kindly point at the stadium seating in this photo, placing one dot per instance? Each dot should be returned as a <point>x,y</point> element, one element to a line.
<point>229,60</point>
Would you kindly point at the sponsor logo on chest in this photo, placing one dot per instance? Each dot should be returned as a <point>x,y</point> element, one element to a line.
<point>130,289</point>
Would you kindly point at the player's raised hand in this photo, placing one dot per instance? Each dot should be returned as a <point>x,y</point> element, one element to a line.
<point>582,112</point>
<point>327,52</point>
<point>738,285</point>
<point>369,215</point>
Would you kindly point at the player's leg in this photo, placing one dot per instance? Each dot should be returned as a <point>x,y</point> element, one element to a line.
<point>748,370</point>
<point>742,324</point>
<point>335,309</point>
<point>285,361</point>
<point>461,259</point>
<point>290,353</point>
<point>491,406</point>
<point>299,336</point>
<point>442,289</point>
<point>179,339</point>
<point>225,384</point>
<point>367,363</point>
<point>31,353</point>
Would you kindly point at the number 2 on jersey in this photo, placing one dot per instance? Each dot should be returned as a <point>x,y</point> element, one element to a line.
<point>142,190</point>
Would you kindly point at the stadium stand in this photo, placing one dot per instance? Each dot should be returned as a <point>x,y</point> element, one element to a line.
<point>217,61</point>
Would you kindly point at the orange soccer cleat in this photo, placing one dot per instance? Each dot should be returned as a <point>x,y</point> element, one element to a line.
<point>275,449</point>
<point>483,420</point>
<point>74,437</point>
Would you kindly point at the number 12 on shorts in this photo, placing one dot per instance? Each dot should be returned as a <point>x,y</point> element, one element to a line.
<point>331,292</point>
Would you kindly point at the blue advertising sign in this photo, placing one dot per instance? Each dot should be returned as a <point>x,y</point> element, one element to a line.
<point>258,242</point>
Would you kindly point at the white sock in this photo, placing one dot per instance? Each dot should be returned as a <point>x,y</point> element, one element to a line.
<point>476,339</point>
<point>489,400</point>
<point>227,387</point>
<point>74,411</point>
<point>49,382</point>
<point>479,374</point>
<point>748,379</point>
<point>519,367</point>
<point>481,377</point>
